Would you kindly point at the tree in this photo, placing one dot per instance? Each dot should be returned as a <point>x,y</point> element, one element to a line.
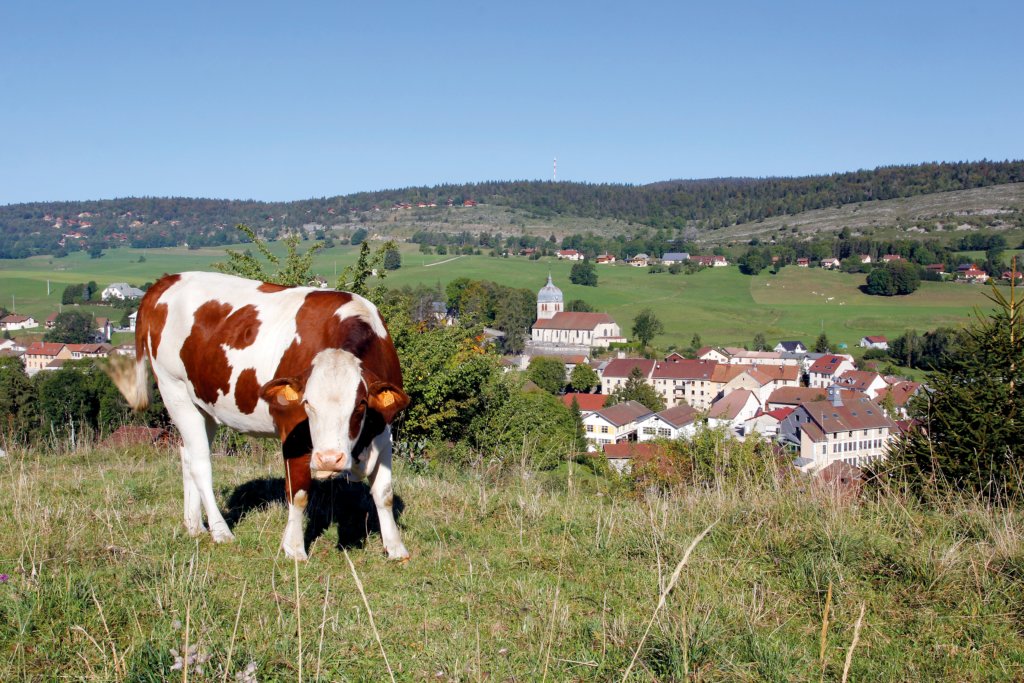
<point>752,262</point>
<point>70,327</point>
<point>392,259</point>
<point>893,278</point>
<point>821,344</point>
<point>974,414</point>
<point>353,278</point>
<point>547,373</point>
<point>637,389</point>
<point>760,343</point>
<point>695,342</point>
<point>296,269</point>
<point>646,326</point>
<point>583,378</point>
<point>19,411</point>
<point>359,236</point>
<point>583,273</point>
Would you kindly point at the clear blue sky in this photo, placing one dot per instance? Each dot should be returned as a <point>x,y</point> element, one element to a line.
<point>256,100</point>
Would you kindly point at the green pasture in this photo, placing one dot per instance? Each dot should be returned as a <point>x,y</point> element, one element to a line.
<point>721,305</point>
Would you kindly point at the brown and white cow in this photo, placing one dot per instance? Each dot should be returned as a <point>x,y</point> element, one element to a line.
<point>314,367</point>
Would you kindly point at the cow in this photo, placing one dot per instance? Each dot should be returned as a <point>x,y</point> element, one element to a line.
<point>316,368</point>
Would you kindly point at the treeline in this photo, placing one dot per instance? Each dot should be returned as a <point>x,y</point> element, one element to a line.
<point>34,228</point>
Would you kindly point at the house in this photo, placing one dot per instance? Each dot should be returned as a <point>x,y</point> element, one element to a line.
<point>790,347</point>
<point>874,342</point>
<point>791,397</point>
<point>766,423</point>
<point>104,327</point>
<point>889,258</point>
<point>973,275</point>
<point>803,262</point>
<point>604,259</point>
<point>528,251</point>
<point>569,255</point>
<point>868,383</point>
<point>830,263</point>
<point>898,396</point>
<point>741,356</point>
<point>51,321</point>
<point>131,321</point>
<point>673,423</point>
<point>864,258</point>
<point>823,371</point>
<point>38,355</point>
<point>621,456</point>
<point>89,350</point>
<point>938,268</point>
<point>641,260</point>
<point>14,321</point>
<point>618,371</point>
<point>841,480</point>
<point>1015,275</point>
<point>588,403</point>
<point>670,257</point>
<point>853,431</point>
<point>122,291</point>
<point>710,261</point>
<point>684,380</point>
<point>615,423</point>
<point>733,410</point>
<point>713,353</point>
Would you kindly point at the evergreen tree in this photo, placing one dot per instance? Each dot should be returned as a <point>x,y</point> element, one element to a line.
<point>821,344</point>
<point>392,259</point>
<point>760,343</point>
<point>974,416</point>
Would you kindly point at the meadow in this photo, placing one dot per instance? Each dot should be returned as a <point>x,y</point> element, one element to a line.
<point>515,575</point>
<point>721,305</point>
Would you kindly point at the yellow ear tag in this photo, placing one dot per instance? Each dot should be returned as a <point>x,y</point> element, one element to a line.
<point>290,394</point>
<point>386,398</point>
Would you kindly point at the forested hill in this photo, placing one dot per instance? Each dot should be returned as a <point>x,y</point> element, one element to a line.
<point>58,227</point>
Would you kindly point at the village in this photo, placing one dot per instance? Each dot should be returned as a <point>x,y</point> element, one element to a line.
<point>823,413</point>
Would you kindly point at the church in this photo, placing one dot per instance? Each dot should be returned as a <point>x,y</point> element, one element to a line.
<point>559,331</point>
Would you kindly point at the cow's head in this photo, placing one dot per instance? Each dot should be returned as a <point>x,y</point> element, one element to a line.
<point>343,402</point>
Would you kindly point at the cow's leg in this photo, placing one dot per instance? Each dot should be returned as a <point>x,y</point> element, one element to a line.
<point>296,482</point>
<point>383,496</point>
<point>197,430</point>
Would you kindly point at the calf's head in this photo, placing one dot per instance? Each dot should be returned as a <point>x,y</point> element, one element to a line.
<point>342,401</point>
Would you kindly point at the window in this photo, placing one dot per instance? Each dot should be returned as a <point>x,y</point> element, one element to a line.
<point>649,430</point>
<point>590,428</point>
<point>662,431</point>
<point>604,429</point>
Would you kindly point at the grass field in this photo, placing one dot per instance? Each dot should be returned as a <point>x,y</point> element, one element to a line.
<point>721,305</point>
<point>517,577</point>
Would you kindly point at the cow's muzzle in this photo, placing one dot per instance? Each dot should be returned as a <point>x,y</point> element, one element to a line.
<point>326,464</point>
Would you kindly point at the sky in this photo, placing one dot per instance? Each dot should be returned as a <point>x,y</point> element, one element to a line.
<point>284,101</point>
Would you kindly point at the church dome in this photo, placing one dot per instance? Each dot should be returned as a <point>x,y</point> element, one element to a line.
<point>549,294</point>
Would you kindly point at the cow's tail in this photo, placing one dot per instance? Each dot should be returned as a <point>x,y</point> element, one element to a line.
<point>131,379</point>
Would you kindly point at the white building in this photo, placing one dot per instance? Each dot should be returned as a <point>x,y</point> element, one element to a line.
<point>121,290</point>
<point>615,423</point>
<point>679,421</point>
<point>17,322</point>
<point>826,369</point>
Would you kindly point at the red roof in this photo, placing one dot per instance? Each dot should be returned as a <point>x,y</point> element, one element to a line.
<point>779,414</point>
<point>624,413</point>
<point>622,367</point>
<point>679,415</point>
<point>573,321</point>
<point>589,402</point>
<point>43,348</point>
<point>685,369</point>
<point>901,392</point>
<point>877,340</point>
<point>827,365</point>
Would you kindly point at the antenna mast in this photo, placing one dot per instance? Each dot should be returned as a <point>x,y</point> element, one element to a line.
<point>554,172</point>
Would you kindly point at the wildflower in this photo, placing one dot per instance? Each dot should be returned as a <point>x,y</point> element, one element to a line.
<point>4,578</point>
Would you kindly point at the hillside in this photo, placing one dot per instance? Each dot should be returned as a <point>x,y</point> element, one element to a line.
<point>513,576</point>
<point>686,207</point>
<point>1000,207</point>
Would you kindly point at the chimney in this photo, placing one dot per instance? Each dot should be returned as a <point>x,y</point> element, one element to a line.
<point>835,396</point>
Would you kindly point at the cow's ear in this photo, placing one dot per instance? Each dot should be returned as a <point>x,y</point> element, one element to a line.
<point>387,399</point>
<point>281,392</point>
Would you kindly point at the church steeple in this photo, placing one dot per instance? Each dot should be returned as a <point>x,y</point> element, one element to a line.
<point>549,300</point>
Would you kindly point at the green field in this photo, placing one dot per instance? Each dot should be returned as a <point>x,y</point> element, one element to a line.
<point>721,305</point>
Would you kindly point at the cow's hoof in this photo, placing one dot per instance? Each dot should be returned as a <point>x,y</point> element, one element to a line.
<point>222,535</point>
<point>398,553</point>
<point>293,553</point>
<point>195,530</point>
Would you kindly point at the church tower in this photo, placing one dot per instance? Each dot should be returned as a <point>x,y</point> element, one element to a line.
<point>549,301</point>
